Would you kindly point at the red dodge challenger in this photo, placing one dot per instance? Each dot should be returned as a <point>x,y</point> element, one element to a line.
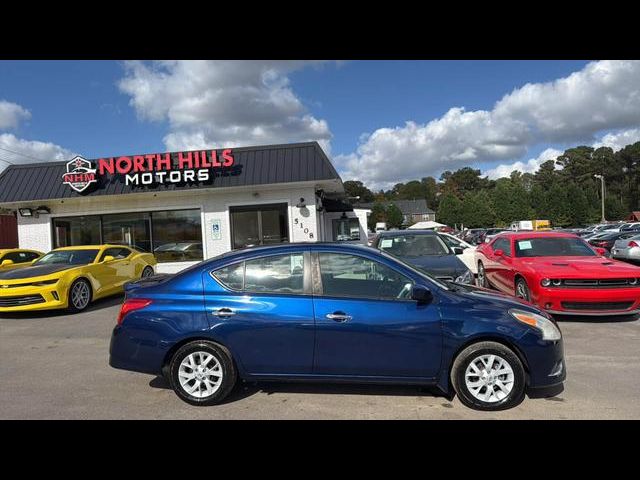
<point>560,273</point>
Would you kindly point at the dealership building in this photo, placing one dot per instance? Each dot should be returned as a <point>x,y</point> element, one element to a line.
<point>183,206</point>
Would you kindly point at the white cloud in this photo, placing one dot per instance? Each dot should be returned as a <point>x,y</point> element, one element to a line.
<point>30,151</point>
<point>602,96</point>
<point>619,140</point>
<point>222,103</point>
<point>530,166</point>
<point>11,114</point>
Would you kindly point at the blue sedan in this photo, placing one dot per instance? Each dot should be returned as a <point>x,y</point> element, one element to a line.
<point>331,312</point>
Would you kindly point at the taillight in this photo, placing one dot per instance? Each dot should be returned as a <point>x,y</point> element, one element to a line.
<point>132,305</point>
<point>633,244</point>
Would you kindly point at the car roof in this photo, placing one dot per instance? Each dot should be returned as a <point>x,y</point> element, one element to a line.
<point>90,247</point>
<point>12,250</point>
<point>532,234</point>
<point>407,232</point>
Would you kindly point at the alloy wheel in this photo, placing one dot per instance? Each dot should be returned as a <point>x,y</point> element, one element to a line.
<point>200,374</point>
<point>80,295</point>
<point>489,378</point>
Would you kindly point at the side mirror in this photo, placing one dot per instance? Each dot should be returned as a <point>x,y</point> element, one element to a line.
<point>498,253</point>
<point>108,258</point>
<point>458,250</point>
<point>35,260</point>
<point>600,251</point>
<point>6,263</point>
<point>421,294</point>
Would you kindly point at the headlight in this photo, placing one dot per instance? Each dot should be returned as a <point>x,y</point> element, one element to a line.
<point>466,277</point>
<point>633,281</point>
<point>546,326</point>
<point>545,282</point>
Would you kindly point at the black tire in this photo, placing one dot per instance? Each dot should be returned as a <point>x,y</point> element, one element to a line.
<point>471,354</point>
<point>522,290</point>
<point>482,277</point>
<point>147,272</point>
<point>74,307</point>
<point>223,357</point>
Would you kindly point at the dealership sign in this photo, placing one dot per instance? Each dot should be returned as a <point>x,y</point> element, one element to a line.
<point>150,169</point>
<point>80,174</point>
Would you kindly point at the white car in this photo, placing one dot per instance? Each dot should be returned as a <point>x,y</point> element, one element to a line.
<point>468,255</point>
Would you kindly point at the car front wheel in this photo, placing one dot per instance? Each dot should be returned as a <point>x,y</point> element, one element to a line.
<point>202,373</point>
<point>80,295</point>
<point>522,290</point>
<point>488,376</point>
<point>482,276</point>
<point>147,272</point>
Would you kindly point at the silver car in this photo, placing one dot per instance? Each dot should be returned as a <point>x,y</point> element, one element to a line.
<point>627,249</point>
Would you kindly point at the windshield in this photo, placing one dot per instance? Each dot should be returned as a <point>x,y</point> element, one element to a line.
<point>553,247</point>
<point>413,245</point>
<point>68,257</point>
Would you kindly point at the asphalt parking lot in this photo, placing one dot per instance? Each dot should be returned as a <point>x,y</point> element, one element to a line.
<point>55,366</point>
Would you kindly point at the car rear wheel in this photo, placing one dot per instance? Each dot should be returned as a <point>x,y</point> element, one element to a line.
<point>522,290</point>
<point>80,295</point>
<point>202,373</point>
<point>488,376</point>
<point>482,276</point>
<point>147,272</point>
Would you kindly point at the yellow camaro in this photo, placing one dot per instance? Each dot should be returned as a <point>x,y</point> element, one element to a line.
<point>17,257</point>
<point>72,277</point>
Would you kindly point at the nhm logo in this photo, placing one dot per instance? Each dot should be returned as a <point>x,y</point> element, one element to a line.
<point>80,174</point>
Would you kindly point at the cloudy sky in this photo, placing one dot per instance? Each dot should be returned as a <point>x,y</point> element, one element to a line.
<point>380,121</point>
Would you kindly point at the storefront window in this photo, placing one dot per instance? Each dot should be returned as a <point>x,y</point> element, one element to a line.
<point>346,229</point>
<point>132,229</point>
<point>173,236</point>
<point>259,225</point>
<point>177,236</point>
<point>73,231</point>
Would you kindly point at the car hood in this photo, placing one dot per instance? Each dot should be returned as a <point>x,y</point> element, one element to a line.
<point>34,271</point>
<point>582,267</point>
<point>491,297</point>
<point>438,265</point>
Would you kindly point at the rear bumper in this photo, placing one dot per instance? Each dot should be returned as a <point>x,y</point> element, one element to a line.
<point>623,301</point>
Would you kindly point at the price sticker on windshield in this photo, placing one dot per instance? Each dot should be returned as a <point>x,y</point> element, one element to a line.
<point>525,245</point>
<point>386,243</point>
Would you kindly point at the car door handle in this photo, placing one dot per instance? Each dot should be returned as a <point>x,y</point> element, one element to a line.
<point>338,316</point>
<point>224,312</point>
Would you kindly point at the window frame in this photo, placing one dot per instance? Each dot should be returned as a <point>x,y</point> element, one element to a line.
<point>318,286</point>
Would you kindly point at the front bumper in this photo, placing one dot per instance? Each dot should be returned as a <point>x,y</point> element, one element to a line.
<point>28,299</point>
<point>545,361</point>
<point>589,302</point>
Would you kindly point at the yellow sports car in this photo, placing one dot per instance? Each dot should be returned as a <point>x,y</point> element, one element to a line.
<point>72,277</point>
<point>17,257</point>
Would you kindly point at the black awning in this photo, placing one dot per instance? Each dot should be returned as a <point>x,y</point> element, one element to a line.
<point>262,165</point>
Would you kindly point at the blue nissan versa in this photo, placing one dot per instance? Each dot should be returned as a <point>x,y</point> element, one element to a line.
<point>329,312</point>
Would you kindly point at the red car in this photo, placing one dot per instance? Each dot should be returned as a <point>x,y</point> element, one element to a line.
<point>560,273</point>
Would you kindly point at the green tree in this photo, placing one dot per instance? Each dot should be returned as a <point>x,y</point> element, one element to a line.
<point>378,214</point>
<point>477,210</point>
<point>394,216</point>
<point>355,188</point>
<point>449,210</point>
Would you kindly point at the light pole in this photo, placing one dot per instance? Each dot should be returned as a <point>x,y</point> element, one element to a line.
<point>601,177</point>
